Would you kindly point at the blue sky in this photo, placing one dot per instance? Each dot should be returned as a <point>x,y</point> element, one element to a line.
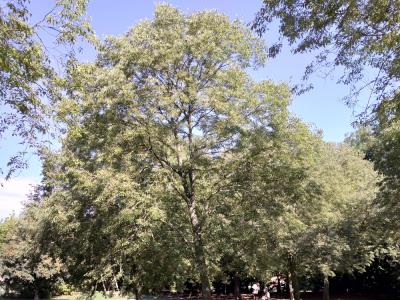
<point>322,107</point>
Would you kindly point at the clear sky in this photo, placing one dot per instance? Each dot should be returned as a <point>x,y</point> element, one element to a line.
<point>322,107</point>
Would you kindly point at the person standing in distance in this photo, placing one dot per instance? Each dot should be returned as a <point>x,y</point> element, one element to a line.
<point>256,290</point>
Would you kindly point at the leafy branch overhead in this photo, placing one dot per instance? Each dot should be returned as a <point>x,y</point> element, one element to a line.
<point>27,76</point>
<point>360,36</point>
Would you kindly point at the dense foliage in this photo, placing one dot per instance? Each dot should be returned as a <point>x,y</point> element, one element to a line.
<point>27,77</point>
<point>176,168</point>
<point>362,39</point>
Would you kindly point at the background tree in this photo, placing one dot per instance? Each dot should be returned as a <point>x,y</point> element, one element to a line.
<point>362,38</point>
<point>379,143</point>
<point>279,197</point>
<point>25,263</point>
<point>321,196</point>
<point>345,238</point>
<point>384,147</point>
<point>5,226</point>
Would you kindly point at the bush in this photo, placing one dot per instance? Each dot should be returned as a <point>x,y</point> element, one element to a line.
<point>62,288</point>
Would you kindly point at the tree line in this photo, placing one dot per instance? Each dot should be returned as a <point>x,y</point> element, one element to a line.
<point>176,166</point>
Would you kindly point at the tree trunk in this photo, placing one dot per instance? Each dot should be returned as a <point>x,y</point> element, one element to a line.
<point>294,292</point>
<point>138,292</point>
<point>189,188</point>
<point>116,285</point>
<point>236,287</point>
<point>278,288</point>
<point>289,287</point>
<point>325,295</point>
<point>104,288</point>
<point>36,296</point>
<point>199,251</point>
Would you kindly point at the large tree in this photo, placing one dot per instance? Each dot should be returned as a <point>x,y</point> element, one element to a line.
<point>283,197</point>
<point>362,38</point>
<point>176,98</point>
<point>344,232</point>
<point>321,196</point>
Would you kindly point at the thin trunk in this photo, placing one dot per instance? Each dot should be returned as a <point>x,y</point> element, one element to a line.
<point>116,284</point>
<point>278,288</point>
<point>290,287</point>
<point>36,296</point>
<point>138,292</point>
<point>93,289</point>
<point>294,292</point>
<point>199,251</point>
<point>236,287</point>
<point>325,295</point>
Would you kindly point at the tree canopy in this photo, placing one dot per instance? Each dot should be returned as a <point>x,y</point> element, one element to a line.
<point>362,39</point>
<point>176,167</point>
<point>26,72</point>
<point>176,100</point>
<point>360,36</point>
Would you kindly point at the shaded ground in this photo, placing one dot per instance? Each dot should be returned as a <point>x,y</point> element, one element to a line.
<point>250,297</point>
<point>217,297</point>
<point>306,296</point>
